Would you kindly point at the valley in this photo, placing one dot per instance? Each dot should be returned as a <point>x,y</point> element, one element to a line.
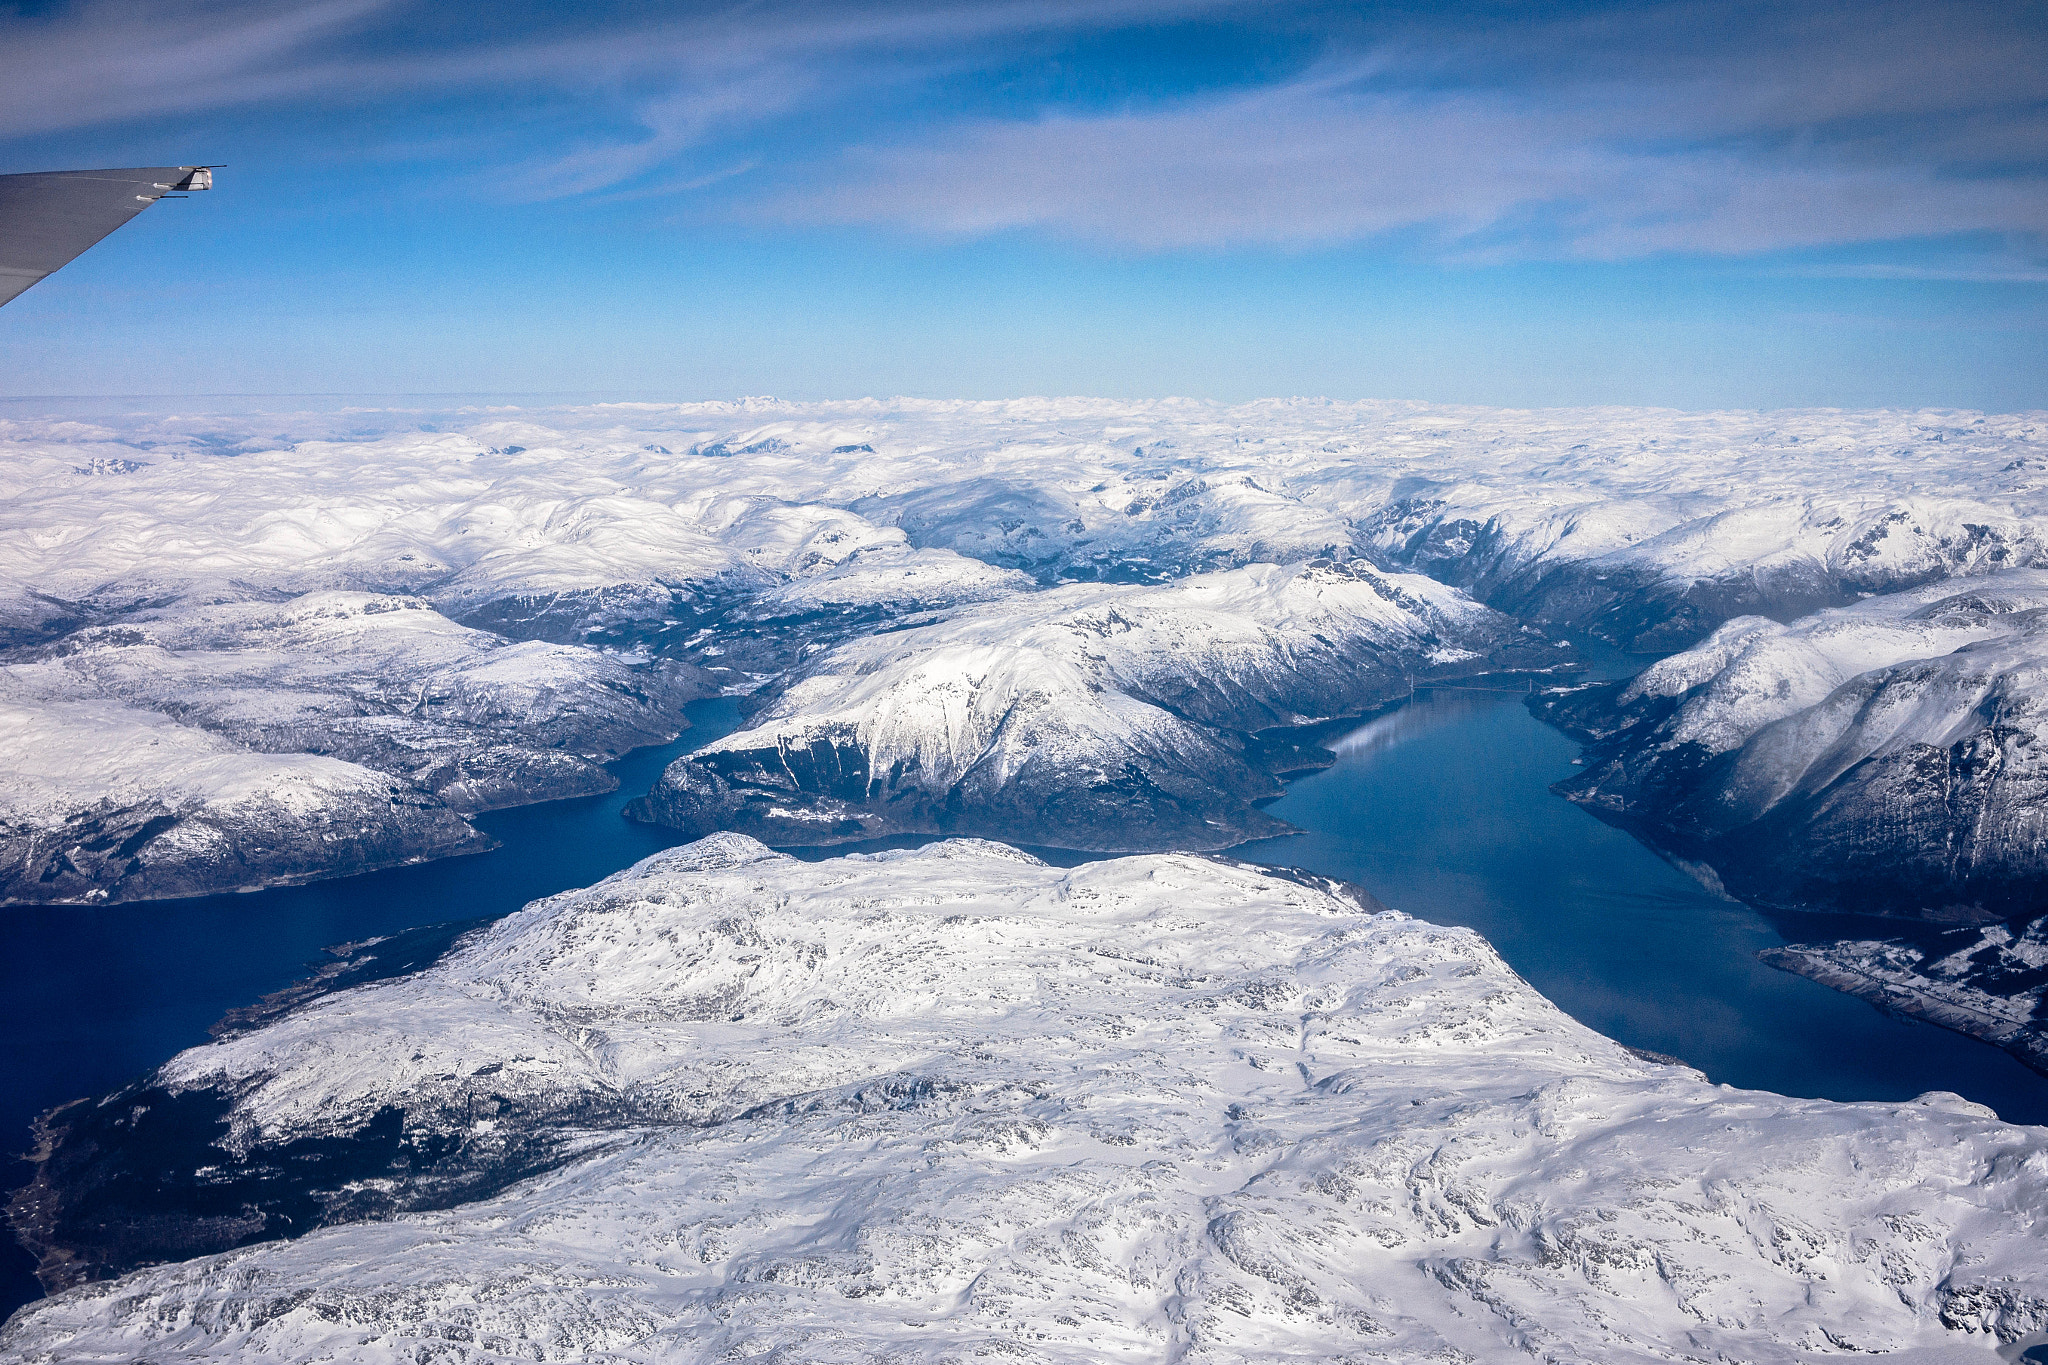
<point>1089,629</point>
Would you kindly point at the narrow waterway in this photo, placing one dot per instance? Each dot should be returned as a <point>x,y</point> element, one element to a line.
<point>92,997</point>
<point>1443,809</point>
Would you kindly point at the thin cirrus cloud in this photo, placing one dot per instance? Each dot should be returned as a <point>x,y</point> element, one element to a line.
<point>1480,175</point>
<point>1700,127</point>
<point>109,60</point>
<point>1711,127</point>
<point>105,62</point>
<point>1690,129</point>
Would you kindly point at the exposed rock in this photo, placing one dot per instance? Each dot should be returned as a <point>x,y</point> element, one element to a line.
<point>1885,758</point>
<point>389,683</point>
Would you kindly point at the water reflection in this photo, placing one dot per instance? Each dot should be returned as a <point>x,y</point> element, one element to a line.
<point>1401,725</point>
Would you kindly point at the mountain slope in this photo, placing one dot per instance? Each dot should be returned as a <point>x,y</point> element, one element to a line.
<point>1989,982</point>
<point>1885,758</point>
<point>1881,759</point>
<point>924,1106</point>
<point>202,747</point>
<point>1095,717</point>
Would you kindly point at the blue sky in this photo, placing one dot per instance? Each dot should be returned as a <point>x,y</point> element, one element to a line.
<point>1696,205</point>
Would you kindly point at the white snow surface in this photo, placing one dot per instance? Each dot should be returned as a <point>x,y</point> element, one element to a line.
<point>955,1104</point>
<point>1809,701</point>
<point>178,797</point>
<point>66,755</point>
<point>1068,676</point>
<point>626,497</point>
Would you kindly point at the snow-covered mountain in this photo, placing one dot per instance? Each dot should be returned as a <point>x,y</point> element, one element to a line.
<point>623,516</point>
<point>1091,716</point>
<point>210,747</point>
<point>807,553</point>
<point>1880,757</point>
<point>951,1103</point>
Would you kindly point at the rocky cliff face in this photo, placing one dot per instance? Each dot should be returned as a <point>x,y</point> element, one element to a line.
<point>1888,759</point>
<point>1884,758</point>
<point>919,1105</point>
<point>1097,717</point>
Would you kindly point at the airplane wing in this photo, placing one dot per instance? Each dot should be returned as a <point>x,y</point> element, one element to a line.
<point>48,218</point>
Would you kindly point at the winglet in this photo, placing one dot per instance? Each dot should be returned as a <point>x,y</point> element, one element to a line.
<point>48,218</point>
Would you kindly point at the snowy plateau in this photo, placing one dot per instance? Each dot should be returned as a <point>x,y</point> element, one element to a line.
<point>216,746</point>
<point>957,1103</point>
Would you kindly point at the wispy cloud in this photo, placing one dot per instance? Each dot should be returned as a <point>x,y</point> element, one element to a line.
<point>1480,175</point>
<point>107,61</point>
<point>1671,130</point>
<point>1705,126</point>
<point>2011,270</point>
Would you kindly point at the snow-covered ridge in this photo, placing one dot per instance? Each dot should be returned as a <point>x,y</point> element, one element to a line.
<point>635,509</point>
<point>924,1106</point>
<point>201,747</point>
<point>1884,758</point>
<point>285,675</point>
<point>1655,574</point>
<point>1094,716</point>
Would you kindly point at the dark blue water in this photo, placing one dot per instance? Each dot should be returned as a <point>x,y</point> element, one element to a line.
<point>93,997</point>
<point>1442,809</point>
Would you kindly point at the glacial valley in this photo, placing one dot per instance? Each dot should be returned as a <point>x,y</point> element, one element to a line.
<point>915,1105</point>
